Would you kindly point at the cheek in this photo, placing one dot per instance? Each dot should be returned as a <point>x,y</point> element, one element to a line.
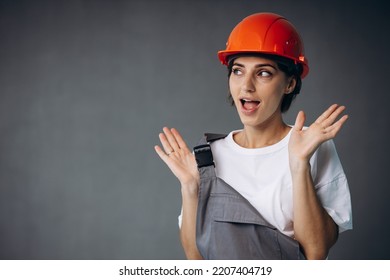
<point>279,90</point>
<point>233,89</point>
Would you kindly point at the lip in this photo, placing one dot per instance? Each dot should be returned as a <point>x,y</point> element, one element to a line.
<point>245,110</point>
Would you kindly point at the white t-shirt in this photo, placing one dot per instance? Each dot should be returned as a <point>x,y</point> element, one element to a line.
<point>263,177</point>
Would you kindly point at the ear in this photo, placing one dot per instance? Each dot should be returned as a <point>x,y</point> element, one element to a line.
<point>292,82</point>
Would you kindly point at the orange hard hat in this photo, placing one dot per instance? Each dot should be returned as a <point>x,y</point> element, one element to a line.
<point>266,33</point>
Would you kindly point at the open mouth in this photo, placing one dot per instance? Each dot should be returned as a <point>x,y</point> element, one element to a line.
<point>249,105</point>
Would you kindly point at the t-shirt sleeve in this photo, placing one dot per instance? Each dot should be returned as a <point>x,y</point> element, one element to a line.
<point>179,218</point>
<point>331,185</point>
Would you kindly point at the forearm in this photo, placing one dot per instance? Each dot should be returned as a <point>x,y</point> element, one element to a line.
<point>188,226</point>
<point>314,229</point>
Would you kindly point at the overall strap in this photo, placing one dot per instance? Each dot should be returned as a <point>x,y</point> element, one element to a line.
<point>211,137</point>
<point>203,154</point>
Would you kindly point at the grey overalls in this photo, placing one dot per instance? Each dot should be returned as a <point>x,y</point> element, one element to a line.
<point>227,225</point>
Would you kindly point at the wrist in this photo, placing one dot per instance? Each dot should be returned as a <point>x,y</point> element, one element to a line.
<point>299,165</point>
<point>190,189</point>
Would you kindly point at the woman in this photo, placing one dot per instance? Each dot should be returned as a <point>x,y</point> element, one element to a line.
<point>290,174</point>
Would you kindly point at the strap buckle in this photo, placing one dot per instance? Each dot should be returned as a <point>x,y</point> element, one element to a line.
<point>203,155</point>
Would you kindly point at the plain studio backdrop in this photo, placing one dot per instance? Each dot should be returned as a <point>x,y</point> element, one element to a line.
<point>86,86</point>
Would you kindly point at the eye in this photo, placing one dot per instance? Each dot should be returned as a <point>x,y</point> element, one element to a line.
<point>236,71</point>
<point>264,73</point>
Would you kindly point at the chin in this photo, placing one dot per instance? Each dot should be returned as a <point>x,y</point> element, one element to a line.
<point>248,122</point>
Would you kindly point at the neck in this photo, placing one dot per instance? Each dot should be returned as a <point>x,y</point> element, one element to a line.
<point>258,137</point>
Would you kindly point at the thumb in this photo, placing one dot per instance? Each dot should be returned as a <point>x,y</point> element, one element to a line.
<point>300,121</point>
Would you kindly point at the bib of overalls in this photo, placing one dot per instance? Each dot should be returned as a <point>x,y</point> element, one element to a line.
<point>227,225</point>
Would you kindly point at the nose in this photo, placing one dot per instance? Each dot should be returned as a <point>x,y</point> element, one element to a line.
<point>248,84</point>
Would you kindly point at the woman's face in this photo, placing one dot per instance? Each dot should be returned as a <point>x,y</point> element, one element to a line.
<point>257,86</point>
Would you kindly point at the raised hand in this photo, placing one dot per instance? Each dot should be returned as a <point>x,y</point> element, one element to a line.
<point>303,143</point>
<point>178,157</point>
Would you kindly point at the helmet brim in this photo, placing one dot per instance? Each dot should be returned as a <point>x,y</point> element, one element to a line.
<point>224,58</point>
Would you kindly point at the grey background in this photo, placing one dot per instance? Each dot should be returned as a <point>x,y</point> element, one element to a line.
<point>86,86</point>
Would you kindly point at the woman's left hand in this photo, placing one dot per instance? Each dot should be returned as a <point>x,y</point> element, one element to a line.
<point>303,143</point>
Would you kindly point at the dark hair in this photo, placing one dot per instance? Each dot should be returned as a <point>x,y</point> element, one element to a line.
<point>286,65</point>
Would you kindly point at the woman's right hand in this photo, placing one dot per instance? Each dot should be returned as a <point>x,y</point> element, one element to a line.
<point>180,160</point>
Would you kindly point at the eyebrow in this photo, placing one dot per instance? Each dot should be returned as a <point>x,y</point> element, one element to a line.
<point>257,65</point>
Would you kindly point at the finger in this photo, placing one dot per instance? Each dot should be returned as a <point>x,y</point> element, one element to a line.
<point>300,121</point>
<point>335,128</point>
<point>171,139</point>
<point>179,139</point>
<point>327,113</point>
<point>332,117</point>
<point>165,143</point>
<point>161,153</point>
